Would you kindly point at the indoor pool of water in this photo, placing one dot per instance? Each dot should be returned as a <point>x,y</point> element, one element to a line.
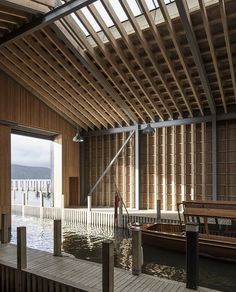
<point>86,242</point>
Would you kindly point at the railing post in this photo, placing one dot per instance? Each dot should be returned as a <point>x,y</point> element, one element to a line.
<point>120,216</point>
<point>192,256</point>
<point>41,202</point>
<point>62,207</point>
<point>57,238</point>
<point>4,228</point>
<point>137,256</point>
<point>21,248</point>
<point>108,266</point>
<point>89,215</point>
<point>158,210</point>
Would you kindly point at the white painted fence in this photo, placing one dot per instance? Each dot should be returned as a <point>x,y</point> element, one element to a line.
<point>70,216</point>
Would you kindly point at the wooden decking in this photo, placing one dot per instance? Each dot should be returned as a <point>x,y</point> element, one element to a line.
<point>85,275</point>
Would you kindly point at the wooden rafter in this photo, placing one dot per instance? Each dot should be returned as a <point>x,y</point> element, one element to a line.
<point>75,68</point>
<point>44,20</point>
<point>130,46</point>
<point>147,49</point>
<point>179,51</point>
<point>227,42</point>
<point>26,6</point>
<point>134,71</point>
<point>24,77</point>
<point>74,95</point>
<point>93,70</point>
<point>187,24</point>
<point>160,44</point>
<point>127,62</point>
<point>212,50</point>
<point>13,53</point>
<point>99,60</point>
<point>74,79</point>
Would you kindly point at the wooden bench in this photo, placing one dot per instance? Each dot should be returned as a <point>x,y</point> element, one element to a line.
<point>208,209</point>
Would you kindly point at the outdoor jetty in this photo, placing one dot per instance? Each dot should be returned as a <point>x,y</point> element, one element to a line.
<point>46,272</point>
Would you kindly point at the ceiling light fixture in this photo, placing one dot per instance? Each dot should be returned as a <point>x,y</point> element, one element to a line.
<point>148,130</point>
<point>78,138</point>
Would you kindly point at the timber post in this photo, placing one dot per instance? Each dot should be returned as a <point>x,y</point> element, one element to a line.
<point>89,211</point>
<point>21,248</point>
<point>192,256</point>
<point>137,256</point>
<point>57,238</point>
<point>108,266</point>
<point>4,228</point>
<point>158,210</point>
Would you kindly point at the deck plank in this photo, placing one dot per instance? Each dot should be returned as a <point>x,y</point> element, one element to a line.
<point>87,275</point>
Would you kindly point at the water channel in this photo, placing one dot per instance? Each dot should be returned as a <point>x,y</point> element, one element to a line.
<point>85,242</point>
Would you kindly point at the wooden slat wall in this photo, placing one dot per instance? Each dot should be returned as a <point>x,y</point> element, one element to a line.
<point>227,160</point>
<point>99,152</point>
<point>20,106</point>
<point>175,165</point>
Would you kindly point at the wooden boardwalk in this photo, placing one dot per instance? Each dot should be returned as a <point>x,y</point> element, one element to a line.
<point>85,275</point>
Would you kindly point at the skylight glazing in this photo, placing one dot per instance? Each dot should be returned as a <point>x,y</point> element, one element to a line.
<point>115,4</point>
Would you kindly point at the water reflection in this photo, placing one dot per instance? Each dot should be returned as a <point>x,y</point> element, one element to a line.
<point>85,242</point>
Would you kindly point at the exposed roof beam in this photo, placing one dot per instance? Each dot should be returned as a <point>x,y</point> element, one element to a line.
<point>227,42</point>
<point>44,20</point>
<point>26,6</point>
<point>88,64</point>
<point>186,21</point>
<point>163,124</point>
<point>212,50</point>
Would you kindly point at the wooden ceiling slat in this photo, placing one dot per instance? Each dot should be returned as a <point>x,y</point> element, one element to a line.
<point>179,51</point>
<point>122,75</point>
<point>164,52</point>
<point>191,37</point>
<point>149,53</point>
<point>212,50</point>
<point>126,63</point>
<point>227,42</point>
<point>26,6</point>
<point>136,57</point>
<point>78,103</point>
<point>14,12</point>
<point>70,79</point>
<point>13,54</point>
<point>67,53</point>
<point>34,87</point>
<point>126,72</point>
<point>93,70</point>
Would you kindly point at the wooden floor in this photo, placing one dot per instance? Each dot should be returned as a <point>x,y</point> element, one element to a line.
<point>86,275</point>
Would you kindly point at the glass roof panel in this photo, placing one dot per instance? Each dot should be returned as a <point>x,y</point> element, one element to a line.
<point>134,7</point>
<point>102,11</point>
<point>119,10</point>
<point>80,24</point>
<point>91,19</point>
<point>152,4</point>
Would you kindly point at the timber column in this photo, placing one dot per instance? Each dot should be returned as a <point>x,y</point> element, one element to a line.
<point>5,173</point>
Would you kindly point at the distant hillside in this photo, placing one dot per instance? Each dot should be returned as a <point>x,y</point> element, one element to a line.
<point>29,172</point>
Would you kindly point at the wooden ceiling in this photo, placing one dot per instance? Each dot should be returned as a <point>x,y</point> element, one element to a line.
<point>139,70</point>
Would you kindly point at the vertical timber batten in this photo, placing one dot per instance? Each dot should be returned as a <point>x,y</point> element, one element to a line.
<point>214,159</point>
<point>137,168</point>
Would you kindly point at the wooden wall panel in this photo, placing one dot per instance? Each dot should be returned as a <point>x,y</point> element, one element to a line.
<point>175,165</point>
<point>5,170</point>
<point>98,153</point>
<point>21,107</point>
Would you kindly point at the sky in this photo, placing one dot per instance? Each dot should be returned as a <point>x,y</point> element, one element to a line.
<point>30,151</point>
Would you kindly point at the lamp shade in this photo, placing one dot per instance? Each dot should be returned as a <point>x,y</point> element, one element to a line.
<point>78,138</point>
<point>148,130</point>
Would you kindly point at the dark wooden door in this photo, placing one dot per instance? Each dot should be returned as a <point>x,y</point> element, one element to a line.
<point>74,191</point>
